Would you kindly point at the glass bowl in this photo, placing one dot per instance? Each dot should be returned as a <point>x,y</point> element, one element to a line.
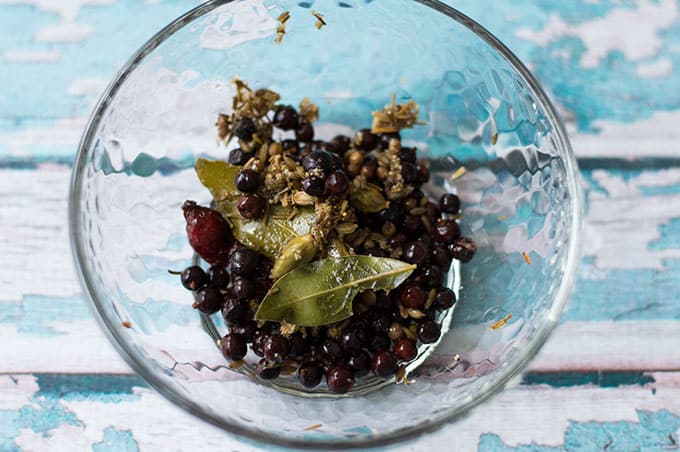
<point>492,136</point>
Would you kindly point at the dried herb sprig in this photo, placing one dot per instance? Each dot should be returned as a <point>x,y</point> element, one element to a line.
<point>320,22</point>
<point>394,117</point>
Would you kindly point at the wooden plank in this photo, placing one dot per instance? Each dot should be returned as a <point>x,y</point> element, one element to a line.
<point>630,417</point>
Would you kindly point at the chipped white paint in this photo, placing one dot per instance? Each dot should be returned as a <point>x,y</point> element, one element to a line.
<point>30,56</point>
<point>655,69</point>
<point>624,220</point>
<point>86,86</point>
<point>65,438</point>
<point>606,34</point>
<point>17,391</point>
<point>653,136</point>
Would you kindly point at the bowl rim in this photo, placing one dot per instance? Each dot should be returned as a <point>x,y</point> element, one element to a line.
<point>507,375</point>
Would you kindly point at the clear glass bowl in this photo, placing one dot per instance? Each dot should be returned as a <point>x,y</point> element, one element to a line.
<point>490,127</point>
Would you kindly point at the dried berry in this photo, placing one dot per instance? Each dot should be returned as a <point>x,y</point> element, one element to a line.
<point>208,300</point>
<point>405,349</point>
<point>337,182</point>
<point>412,296</point>
<point>449,203</point>
<point>286,118</point>
<point>365,140</point>
<point>193,277</point>
<point>314,186</point>
<point>251,206</point>
<point>428,331</point>
<point>244,262</point>
<point>340,379</point>
<point>275,348</point>
<point>208,232</point>
<point>446,231</point>
<point>247,181</point>
<point>239,157</point>
<point>310,375</point>
<point>266,371</point>
<point>444,299</point>
<point>463,249</point>
<point>218,276</point>
<point>234,346</point>
<point>244,128</point>
<point>305,132</point>
<point>383,364</point>
<point>235,311</point>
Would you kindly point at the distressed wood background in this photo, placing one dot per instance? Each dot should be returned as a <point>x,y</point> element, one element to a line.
<point>609,378</point>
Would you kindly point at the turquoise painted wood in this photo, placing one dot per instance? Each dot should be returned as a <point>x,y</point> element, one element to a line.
<point>613,69</point>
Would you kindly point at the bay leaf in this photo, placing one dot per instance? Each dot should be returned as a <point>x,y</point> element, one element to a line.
<point>268,235</point>
<point>321,292</point>
<point>368,199</point>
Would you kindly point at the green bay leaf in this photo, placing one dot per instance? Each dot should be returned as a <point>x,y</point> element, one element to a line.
<point>321,292</point>
<point>267,236</point>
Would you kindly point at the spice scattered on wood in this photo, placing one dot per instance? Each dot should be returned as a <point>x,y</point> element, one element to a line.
<point>501,322</point>
<point>312,427</point>
<point>320,22</point>
<point>526,257</point>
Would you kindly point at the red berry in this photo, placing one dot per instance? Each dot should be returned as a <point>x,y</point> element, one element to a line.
<point>405,349</point>
<point>208,232</point>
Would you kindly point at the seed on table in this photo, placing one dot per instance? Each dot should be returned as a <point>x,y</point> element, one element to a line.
<point>233,346</point>
<point>193,278</point>
<point>265,371</point>
<point>310,375</point>
<point>275,149</point>
<point>340,379</point>
<point>356,158</point>
<point>383,364</point>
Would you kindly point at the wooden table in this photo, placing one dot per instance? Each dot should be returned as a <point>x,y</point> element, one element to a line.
<point>609,378</point>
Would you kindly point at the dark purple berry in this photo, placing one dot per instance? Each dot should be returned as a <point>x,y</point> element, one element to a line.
<point>380,322</point>
<point>275,348</point>
<point>310,375</point>
<point>379,342</point>
<point>340,379</point>
<point>405,349</point>
<point>366,140</point>
<point>244,128</point>
<point>235,311</point>
<point>446,231</point>
<point>408,155</point>
<point>385,138</point>
<point>247,330</point>
<point>413,223</point>
<point>318,159</point>
<point>218,276</point>
<point>290,145</point>
<point>243,288</point>
<point>258,343</point>
<point>428,331</point>
<point>432,276</point>
<point>314,186</point>
<point>441,257</point>
<point>305,132</point>
<point>416,252</point>
<point>337,182</point>
<point>208,232</point>
<point>409,172</point>
<point>208,299</point>
<point>341,144</point>
<point>266,371</point>
<point>331,348</point>
<point>463,249</point>
<point>432,212</point>
<point>412,296</point>
<point>449,203</point>
<point>360,362</point>
<point>423,174</point>
<point>251,206</point>
<point>193,278</point>
<point>383,364</point>
<point>392,213</point>
<point>244,262</point>
<point>234,346</point>
<point>445,299</point>
<point>239,157</point>
<point>247,181</point>
<point>298,345</point>
<point>286,118</point>
<point>350,340</point>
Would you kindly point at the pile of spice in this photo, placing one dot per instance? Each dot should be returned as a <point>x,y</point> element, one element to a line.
<point>326,257</point>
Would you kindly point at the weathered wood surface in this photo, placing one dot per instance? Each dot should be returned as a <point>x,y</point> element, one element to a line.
<point>607,378</point>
